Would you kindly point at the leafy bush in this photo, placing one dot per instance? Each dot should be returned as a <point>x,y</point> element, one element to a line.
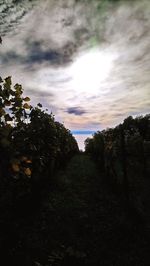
<point>32,145</point>
<point>124,153</point>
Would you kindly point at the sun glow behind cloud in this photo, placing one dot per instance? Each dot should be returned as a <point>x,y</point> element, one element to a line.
<point>90,69</point>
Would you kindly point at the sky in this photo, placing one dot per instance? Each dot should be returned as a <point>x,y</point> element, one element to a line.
<point>87,61</point>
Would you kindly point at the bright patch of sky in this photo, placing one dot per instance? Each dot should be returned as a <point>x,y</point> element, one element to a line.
<point>81,139</point>
<point>87,80</point>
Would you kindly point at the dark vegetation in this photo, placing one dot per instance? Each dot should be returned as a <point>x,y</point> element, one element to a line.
<point>62,207</point>
<point>123,154</point>
<point>31,143</point>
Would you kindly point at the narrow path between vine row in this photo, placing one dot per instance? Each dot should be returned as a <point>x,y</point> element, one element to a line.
<point>82,223</point>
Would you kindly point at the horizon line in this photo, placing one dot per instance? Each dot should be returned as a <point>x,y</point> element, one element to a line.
<point>83,132</point>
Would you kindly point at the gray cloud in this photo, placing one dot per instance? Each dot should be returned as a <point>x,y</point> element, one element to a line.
<point>45,30</point>
<point>40,94</point>
<point>11,56</point>
<point>38,52</point>
<point>37,56</point>
<point>12,12</point>
<point>76,111</point>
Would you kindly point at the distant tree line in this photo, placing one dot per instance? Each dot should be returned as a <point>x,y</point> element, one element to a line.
<point>123,154</point>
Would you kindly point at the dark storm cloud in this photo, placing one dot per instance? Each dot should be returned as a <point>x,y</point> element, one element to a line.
<point>37,55</point>
<point>59,57</point>
<point>76,111</point>
<point>53,57</point>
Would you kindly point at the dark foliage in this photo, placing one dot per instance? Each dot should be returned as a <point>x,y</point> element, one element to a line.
<point>31,143</point>
<point>123,153</point>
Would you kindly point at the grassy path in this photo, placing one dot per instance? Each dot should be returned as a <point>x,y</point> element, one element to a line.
<point>81,223</point>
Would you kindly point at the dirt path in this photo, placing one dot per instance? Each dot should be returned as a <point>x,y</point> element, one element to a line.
<point>92,227</point>
<point>80,223</point>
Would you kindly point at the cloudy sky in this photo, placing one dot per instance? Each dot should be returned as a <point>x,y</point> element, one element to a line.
<point>87,61</point>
